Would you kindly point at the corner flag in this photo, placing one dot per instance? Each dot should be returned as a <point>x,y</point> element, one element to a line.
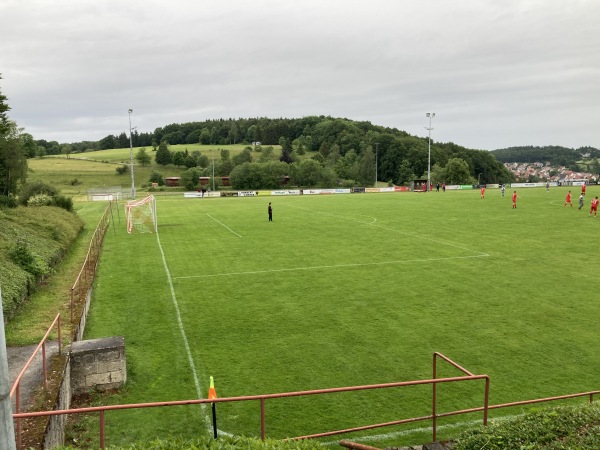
<point>212,393</point>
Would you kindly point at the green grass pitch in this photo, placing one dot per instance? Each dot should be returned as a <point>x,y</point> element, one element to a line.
<point>346,290</point>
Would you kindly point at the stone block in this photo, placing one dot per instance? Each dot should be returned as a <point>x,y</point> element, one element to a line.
<point>98,364</point>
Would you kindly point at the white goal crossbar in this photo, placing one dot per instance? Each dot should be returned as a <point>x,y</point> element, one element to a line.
<point>141,215</point>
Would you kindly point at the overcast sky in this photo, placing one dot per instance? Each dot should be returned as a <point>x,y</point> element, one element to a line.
<point>496,73</point>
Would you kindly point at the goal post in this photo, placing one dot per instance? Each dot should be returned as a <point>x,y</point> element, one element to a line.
<point>141,215</point>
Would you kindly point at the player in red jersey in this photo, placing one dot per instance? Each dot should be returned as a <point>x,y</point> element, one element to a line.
<point>483,192</point>
<point>594,207</point>
<point>514,199</point>
<point>568,199</point>
<point>583,188</point>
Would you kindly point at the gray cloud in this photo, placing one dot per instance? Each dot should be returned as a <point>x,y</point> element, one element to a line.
<point>516,72</point>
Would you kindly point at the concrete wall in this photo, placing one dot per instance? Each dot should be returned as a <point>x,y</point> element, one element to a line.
<point>98,364</point>
<point>55,431</point>
<point>78,335</point>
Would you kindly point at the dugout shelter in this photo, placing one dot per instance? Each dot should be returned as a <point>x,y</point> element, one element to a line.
<point>418,186</point>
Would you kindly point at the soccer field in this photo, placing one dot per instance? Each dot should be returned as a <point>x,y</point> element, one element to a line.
<point>346,290</point>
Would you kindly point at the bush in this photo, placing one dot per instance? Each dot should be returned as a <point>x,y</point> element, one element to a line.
<point>39,200</point>
<point>75,182</point>
<point>121,170</point>
<point>31,189</point>
<point>156,177</point>
<point>560,427</point>
<point>8,202</point>
<point>63,202</point>
<point>21,254</point>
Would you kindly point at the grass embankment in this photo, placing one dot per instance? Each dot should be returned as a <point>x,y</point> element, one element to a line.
<point>59,240</point>
<point>32,242</point>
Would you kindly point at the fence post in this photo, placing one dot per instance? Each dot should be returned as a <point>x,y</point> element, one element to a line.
<point>487,400</point>
<point>59,338</point>
<point>434,399</point>
<point>102,429</point>
<point>44,368</point>
<point>262,419</point>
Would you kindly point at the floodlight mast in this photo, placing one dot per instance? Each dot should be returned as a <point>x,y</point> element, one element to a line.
<point>131,156</point>
<point>376,151</point>
<point>431,116</point>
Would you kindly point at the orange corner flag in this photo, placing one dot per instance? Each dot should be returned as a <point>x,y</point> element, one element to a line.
<point>212,394</point>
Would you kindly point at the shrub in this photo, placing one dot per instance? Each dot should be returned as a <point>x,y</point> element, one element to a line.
<point>8,202</point>
<point>122,169</point>
<point>39,200</point>
<point>560,427</point>
<point>63,202</point>
<point>156,177</point>
<point>31,189</point>
<point>21,254</point>
<point>75,182</point>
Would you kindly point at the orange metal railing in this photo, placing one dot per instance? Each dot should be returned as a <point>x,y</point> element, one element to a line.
<point>263,398</point>
<point>16,388</point>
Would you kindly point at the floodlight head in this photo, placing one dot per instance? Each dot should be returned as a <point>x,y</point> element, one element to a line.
<point>130,111</point>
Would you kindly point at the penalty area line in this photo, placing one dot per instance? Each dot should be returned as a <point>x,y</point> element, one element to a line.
<point>334,266</point>
<point>222,224</point>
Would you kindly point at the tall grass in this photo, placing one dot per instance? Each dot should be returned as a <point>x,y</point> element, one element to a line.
<point>348,290</point>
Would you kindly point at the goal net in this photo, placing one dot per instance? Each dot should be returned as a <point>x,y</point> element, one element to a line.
<point>141,215</point>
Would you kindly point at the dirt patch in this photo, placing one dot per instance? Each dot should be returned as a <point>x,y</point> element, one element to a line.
<point>33,395</point>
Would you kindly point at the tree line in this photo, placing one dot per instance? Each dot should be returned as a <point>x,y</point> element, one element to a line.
<point>351,149</point>
<point>555,155</point>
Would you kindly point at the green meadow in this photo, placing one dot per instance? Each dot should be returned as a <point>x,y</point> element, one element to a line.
<point>73,176</point>
<point>346,290</point>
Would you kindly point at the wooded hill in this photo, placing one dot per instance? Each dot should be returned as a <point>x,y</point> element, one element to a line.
<point>340,144</point>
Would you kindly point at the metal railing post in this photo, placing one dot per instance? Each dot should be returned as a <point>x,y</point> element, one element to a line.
<point>262,419</point>
<point>59,338</point>
<point>72,301</point>
<point>44,368</point>
<point>486,401</point>
<point>102,429</point>
<point>434,400</point>
<point>18,408</point>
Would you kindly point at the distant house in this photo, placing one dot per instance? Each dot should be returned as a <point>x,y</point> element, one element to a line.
<point>172,181</point>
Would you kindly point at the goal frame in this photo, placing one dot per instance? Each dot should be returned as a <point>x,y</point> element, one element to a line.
<point>141,215</point>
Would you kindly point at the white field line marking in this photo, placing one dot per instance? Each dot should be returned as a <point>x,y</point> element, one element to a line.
<point>335,266</point>
<point>183,335</point>
<point>222,224</point>
<point>372,223</point>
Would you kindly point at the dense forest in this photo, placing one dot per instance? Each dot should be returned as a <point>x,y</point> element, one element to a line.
<point>555,155</point>
<point>350,150</point>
